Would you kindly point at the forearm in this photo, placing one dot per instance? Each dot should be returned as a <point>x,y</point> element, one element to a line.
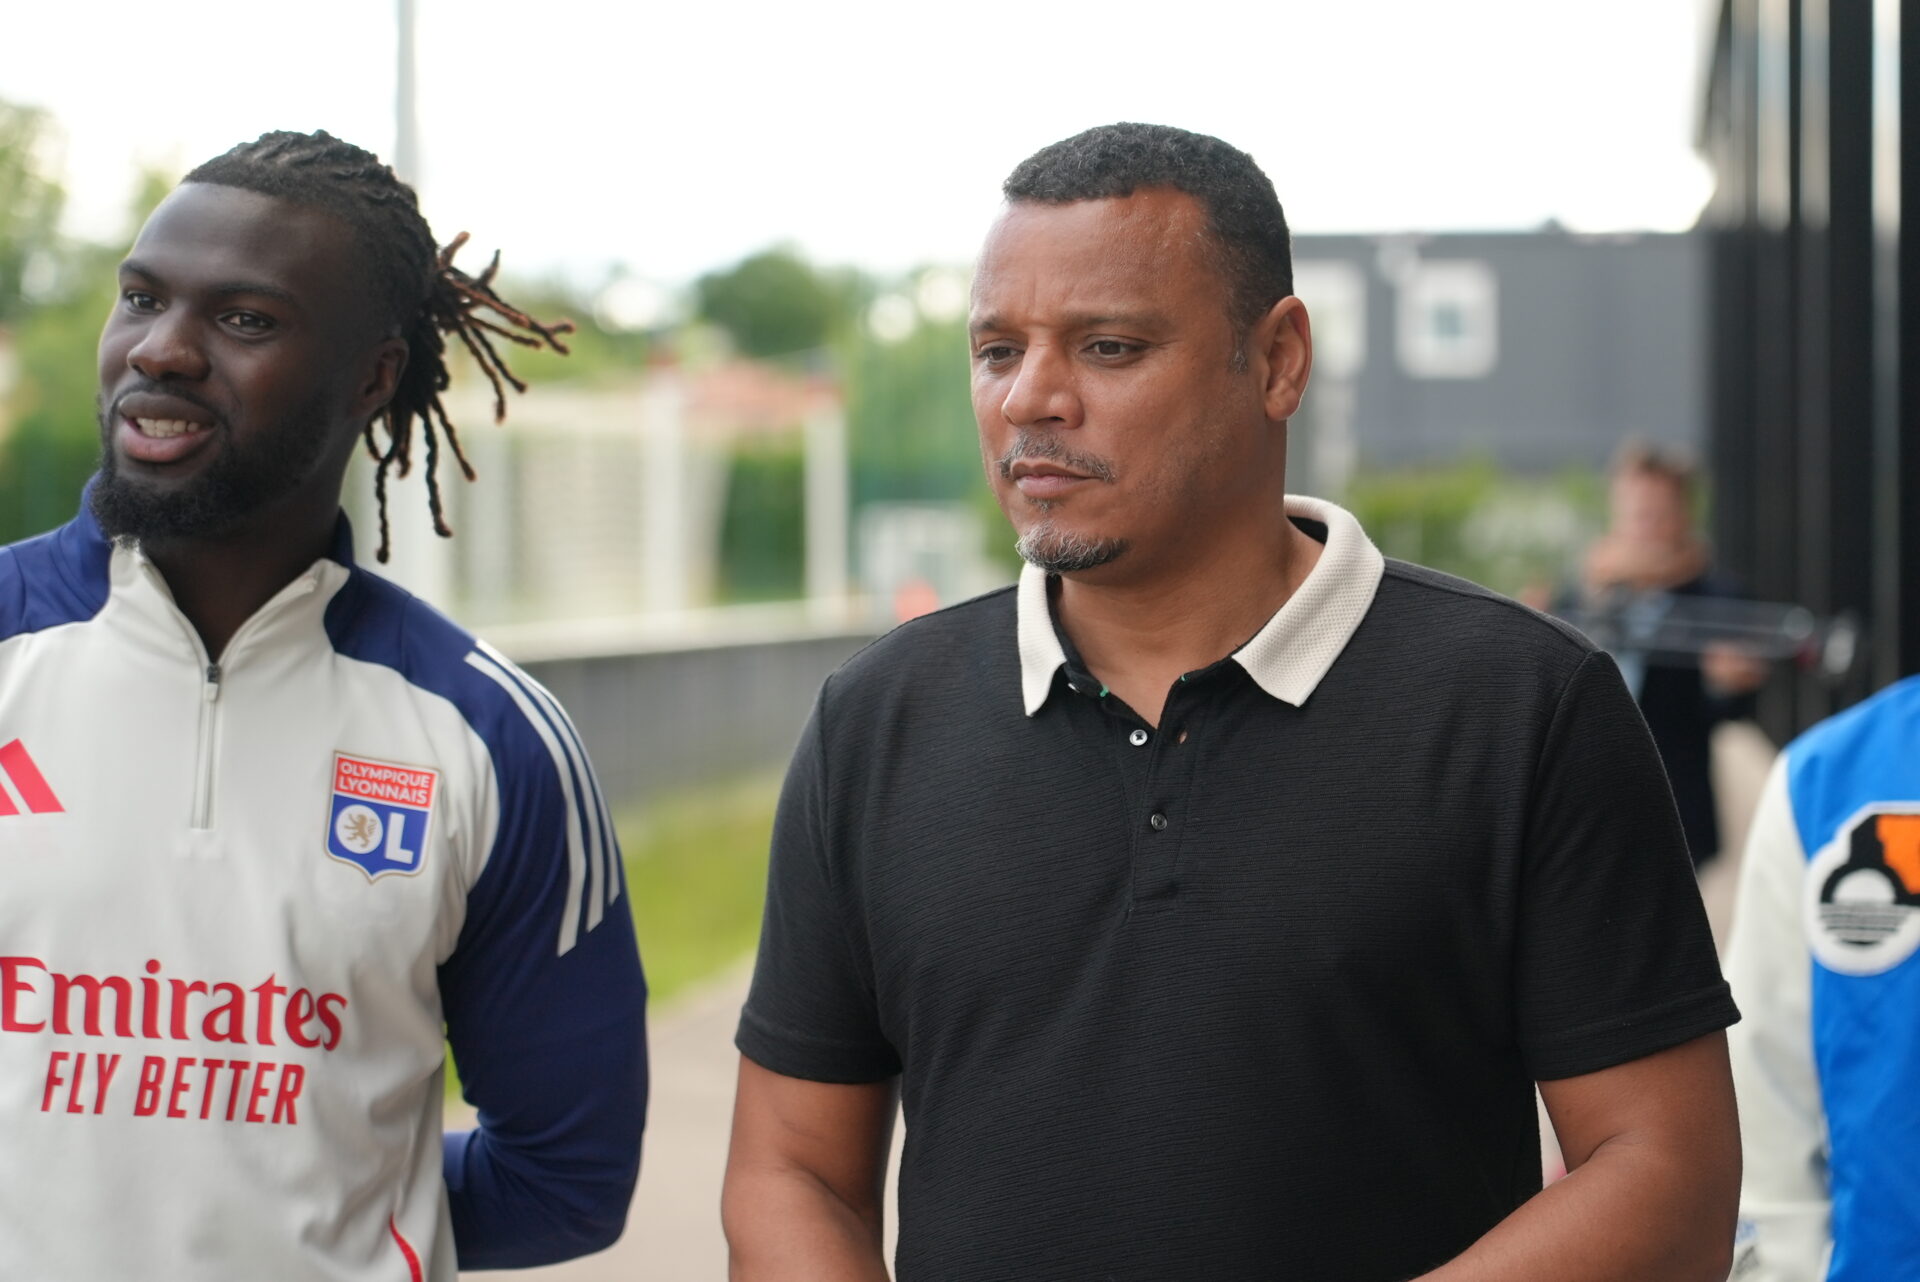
<point>513,1209</point>
<point>785,1225</point>
<point>553,1057</point>
<point>1631,1211</point>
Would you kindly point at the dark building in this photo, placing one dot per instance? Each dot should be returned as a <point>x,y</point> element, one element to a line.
<point>1538,350</point>
<point>1814,236</point>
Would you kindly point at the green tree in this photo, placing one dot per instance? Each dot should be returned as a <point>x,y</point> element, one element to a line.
<point>30,202</point>
<point>775,303</point>
<point>763,525</point>
<point>910,416</point>
<point>49,423</point>
<point>54,440</point>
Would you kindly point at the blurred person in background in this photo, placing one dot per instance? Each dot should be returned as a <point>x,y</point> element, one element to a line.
<point>1652,552</point>
<point>1215,898</point>
<point>269,826</point>
<point>1827,1063</point>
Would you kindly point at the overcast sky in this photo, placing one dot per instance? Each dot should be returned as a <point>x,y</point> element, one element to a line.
<point>668,139</point>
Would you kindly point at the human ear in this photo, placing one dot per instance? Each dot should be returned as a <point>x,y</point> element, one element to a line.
<point>1283,338</point>
<point>387,363</point>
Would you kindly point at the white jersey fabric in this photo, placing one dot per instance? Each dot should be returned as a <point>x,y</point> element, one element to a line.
<point>241,904</point>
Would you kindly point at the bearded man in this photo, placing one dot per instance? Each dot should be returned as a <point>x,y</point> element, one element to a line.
<point>269,826</point>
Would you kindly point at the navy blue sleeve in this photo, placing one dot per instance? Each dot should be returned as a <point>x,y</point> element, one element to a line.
<point>545,1002</point>
<point>13,593</point>
<point>60,577</point>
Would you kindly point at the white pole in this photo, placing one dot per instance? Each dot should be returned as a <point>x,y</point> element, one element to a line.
<point>665,477</point>
<point>422,561</point>
<point>828,497</point>
<point>406,121</point>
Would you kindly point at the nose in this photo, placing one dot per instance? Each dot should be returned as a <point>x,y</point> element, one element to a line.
<point>168,349</point>
<point>1042,392</point>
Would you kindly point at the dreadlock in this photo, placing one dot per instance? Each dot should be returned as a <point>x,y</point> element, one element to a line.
<point>420,293</point>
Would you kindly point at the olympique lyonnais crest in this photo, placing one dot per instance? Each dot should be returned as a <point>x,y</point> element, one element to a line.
<point>380,813</point>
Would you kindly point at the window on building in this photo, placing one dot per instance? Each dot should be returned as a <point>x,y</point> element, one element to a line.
<point>1449,322</point>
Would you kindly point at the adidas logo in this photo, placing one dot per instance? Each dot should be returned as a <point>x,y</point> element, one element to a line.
<point>20,779</point>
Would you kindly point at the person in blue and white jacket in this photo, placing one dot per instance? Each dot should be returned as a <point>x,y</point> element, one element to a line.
<point>269,826</point>
<point>1827,1062</point>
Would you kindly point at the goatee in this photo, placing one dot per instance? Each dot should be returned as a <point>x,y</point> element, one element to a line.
<point>1058,551</point>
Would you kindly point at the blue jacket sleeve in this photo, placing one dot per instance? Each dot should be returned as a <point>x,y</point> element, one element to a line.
<point>545,1003</point>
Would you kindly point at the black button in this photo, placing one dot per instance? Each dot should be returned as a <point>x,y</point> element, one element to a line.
<point>1157,821</point>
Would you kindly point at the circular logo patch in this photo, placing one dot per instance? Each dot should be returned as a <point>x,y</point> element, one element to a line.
<point>1862,900</point>
<point>358,828</point>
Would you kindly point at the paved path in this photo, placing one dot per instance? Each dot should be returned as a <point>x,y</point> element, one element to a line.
<point>673,1233</point>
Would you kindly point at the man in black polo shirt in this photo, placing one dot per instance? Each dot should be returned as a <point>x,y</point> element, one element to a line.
<point>1216,897</point>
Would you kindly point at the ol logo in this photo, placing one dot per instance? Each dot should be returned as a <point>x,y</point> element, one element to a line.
<point>1862,894</point>
<point>379,814</point>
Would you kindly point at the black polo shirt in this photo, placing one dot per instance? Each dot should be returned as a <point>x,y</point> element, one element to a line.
<point>1261,993</point>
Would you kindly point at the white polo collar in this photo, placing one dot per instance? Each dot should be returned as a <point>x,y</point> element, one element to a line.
<point>1288,657</point>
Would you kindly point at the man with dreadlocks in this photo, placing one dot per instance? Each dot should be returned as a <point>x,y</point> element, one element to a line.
<point>269,825</point>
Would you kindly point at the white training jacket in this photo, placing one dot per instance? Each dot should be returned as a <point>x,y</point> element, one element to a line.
<point>240,905</point>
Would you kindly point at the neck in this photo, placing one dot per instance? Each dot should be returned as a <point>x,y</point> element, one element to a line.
<point>219,583</point>
<point>1139,633</point>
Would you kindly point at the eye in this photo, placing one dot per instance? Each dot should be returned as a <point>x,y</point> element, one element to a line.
<point>996,354</point>
<point>248,322</point>
<point>1110,348</point>
<point>139,300</point>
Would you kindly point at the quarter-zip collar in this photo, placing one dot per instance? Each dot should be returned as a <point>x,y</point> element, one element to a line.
<point>140,600</point>
<point>138,595</point>
<point>141,607</point>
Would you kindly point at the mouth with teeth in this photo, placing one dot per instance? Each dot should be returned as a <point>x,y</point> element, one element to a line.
<point>163,428</point>
<point>161,440</point>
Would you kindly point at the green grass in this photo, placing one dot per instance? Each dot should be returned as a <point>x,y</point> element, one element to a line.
<point>696,867</point>
<point>696,879</point>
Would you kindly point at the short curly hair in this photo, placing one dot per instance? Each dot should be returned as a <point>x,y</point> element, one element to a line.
<point>1250,246</point>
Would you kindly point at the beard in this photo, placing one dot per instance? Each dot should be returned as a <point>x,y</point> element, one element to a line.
<point>238,482</point>
<point>1048,547</point>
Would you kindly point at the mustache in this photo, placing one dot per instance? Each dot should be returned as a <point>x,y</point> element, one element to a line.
<point>1048,447</point>
<point>104,406</point>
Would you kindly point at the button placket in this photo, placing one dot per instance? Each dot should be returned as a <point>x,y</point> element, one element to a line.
<point>1161,828</point>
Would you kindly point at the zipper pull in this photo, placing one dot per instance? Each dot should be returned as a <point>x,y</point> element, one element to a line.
<point>213,682</point>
